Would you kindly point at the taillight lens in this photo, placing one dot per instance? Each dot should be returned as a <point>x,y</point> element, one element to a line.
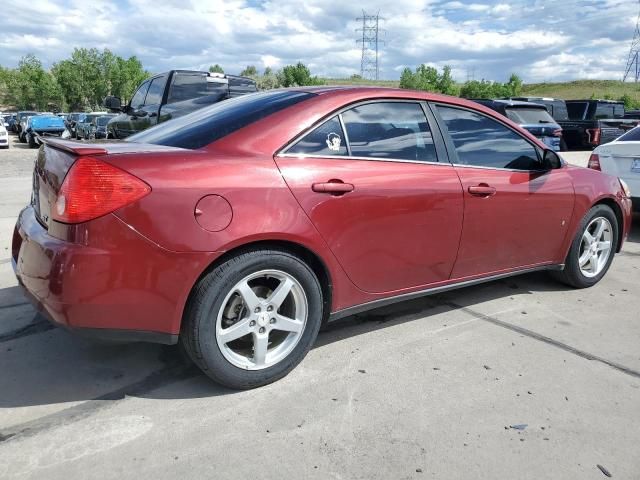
<point>93,188</point>
<point>594,136</point>
<point>557,132</point>
<point>594,162</point>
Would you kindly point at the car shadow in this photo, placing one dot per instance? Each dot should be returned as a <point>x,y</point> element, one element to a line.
<point>53,366</point>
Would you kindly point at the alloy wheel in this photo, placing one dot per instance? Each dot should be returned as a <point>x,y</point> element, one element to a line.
<point>595,247</point>
<point>261,320</point>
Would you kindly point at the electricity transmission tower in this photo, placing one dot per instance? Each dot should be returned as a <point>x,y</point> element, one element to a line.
<point>633,63</point>
<point>371,32</point>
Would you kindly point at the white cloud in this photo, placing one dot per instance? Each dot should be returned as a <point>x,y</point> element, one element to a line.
<point>539,40</point>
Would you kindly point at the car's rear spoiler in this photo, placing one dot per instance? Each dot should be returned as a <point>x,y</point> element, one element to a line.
<point>74,147</point>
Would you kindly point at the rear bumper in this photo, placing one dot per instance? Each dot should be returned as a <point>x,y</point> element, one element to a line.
<point>122,288</point>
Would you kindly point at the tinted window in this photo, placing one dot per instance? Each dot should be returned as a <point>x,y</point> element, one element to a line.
<point>631,136</point>
<point>529,116</point>
<point>209,124</point>
<point>102,121</point>
<point>483,142</point>
<point>156,90</point>
<point>394,130</point>
<point>577,110</point>
<point>609,110</point>
<point>558,110</point>
<point>138,98</point>
<point>326,140</point>
<point>186,86</point>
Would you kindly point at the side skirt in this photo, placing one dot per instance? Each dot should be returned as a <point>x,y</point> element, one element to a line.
<point>432,291</point>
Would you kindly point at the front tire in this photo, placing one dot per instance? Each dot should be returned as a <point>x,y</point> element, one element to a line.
<point>592,249</point>
<point>253,318</point>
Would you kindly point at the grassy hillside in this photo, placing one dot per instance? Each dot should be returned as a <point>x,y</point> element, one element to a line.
<point>581,89</point>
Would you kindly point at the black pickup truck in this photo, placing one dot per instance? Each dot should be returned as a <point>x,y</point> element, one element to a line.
<point>171,95</point>
<point>594,122</point>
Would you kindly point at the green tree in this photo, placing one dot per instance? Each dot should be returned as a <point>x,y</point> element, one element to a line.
<point>250,71</point>
<point>297,75</point>
<point>429,79</point>
<point>514,85</point>
<point>216,69</point>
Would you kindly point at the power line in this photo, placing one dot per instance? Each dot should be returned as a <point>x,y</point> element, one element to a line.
<point>633,65</point>
<point>370,40</point>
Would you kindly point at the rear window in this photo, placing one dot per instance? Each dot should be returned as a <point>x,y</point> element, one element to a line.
<point>209,124</point>
<point>187,86</point>
<point>577,110</point>
<point>631,136</point>
<point>529,116</point>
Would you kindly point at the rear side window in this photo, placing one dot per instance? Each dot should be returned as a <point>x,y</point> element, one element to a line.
<point>187,86</point>
<point>483,142</point>
<point>209,124</point>
<point>631,136</point>
<point>393,130</point>
<point>529,116</point>
<point>326,140</point>
<point>609,110</point>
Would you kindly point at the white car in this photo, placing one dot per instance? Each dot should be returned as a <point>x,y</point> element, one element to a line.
<point>621,158</point>
<point>4,136</point>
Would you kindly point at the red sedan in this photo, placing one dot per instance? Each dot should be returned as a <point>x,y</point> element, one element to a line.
<point>239,229</point>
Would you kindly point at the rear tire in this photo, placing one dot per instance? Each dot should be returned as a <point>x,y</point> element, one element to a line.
<point>32,141</point>
<point>586,262</point>
<point>237,295</point>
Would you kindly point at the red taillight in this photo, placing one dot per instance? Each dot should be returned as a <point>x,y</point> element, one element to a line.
<point>93,188</point>
<point>594,136</point>
<point>557,132</point>
<point>594,161</point>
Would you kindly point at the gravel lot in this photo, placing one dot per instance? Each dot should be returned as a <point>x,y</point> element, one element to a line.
<point>521,378</point>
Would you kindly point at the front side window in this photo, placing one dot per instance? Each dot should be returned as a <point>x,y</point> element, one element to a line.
<point>483,142</point>
<point>156,90</point>
<point>138,98</point>
<point>390,130</point>
<point>326,140</point>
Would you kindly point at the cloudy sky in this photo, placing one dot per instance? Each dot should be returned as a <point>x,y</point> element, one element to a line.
<point>541,40</point>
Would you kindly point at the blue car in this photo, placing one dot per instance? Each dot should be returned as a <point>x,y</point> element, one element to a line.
<point>532,117</point>
<point>39,126</point>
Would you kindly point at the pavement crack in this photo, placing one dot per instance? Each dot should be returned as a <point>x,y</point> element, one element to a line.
<point>36,326</point>
<point>544,339</point>
<point>159,378</point>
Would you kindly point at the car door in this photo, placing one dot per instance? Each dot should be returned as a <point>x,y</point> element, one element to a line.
<point>127,124</point>
<point>516,213</point>
<point>370,180</point>
<point>152,102</point>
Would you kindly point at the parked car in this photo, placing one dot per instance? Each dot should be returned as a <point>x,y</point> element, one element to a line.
<point>622,159</point>
<point>20,122</point>
<point>171,95</point>
<point>239,229</point>
<point>594,122</point>
<point>99,130</point>
<point>10,124</point>
<point>72,120</point>
<point>86,125</point>
<point>532,117</point>
<point>4,136</point>
<point>556,107</point>
<point>39,126</point>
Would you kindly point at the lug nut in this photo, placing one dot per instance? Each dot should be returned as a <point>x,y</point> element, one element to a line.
<point>262,330</point>
<point>273,320</point>
<point>252,323</point>
<point>257,310</point>
<point>269,308</point>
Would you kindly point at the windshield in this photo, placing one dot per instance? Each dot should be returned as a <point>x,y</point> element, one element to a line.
<point>102,121</point>
<point>529,116</point>
<point>209,124</point>
<point>631,136</point>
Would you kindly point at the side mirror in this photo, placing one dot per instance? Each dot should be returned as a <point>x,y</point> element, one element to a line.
<point>113,103</point>
<point>551,160</point>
